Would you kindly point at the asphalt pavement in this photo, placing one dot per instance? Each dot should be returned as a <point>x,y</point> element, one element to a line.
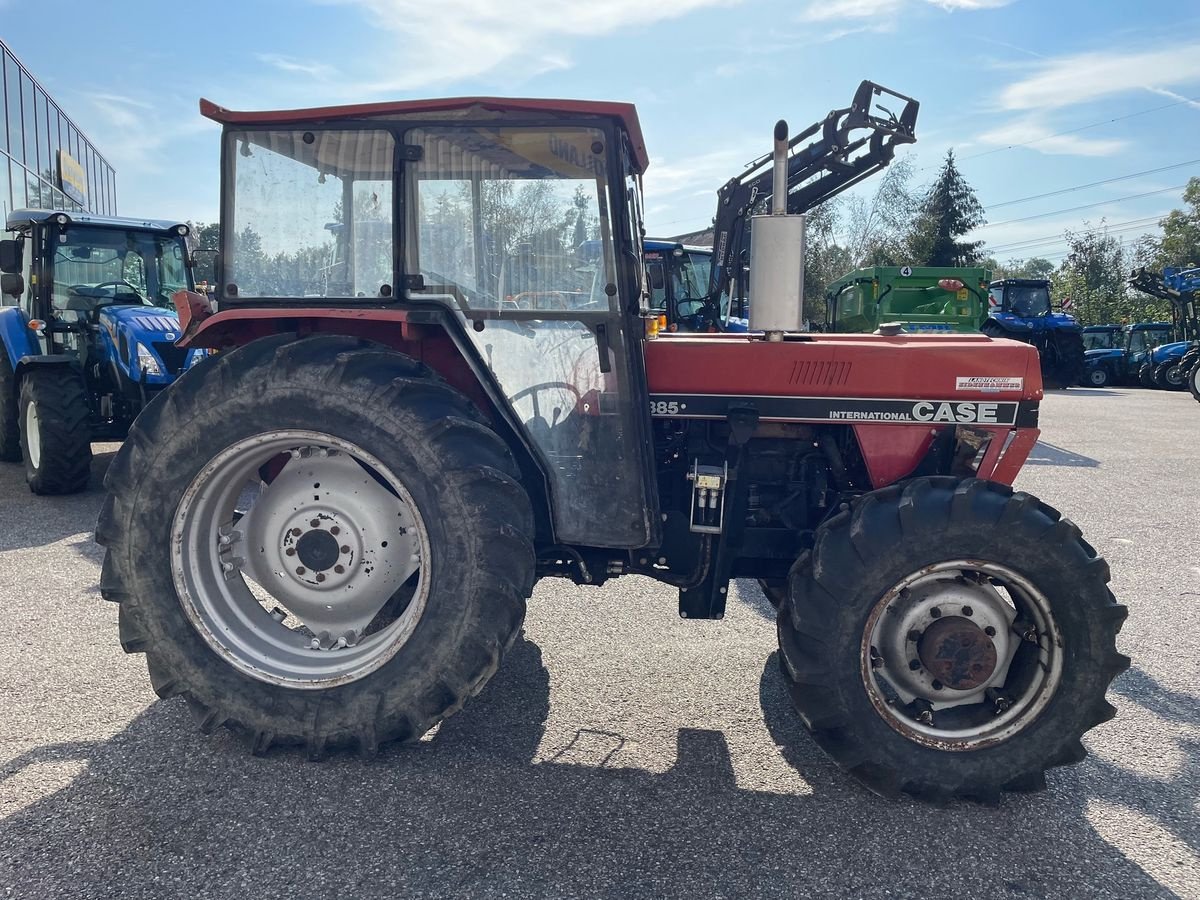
<point>619,752</point>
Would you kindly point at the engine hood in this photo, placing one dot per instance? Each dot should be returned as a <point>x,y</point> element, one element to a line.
<point>1103,353</point>
<point>149,322</point>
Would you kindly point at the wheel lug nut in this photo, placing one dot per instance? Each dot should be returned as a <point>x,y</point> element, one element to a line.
<point>300,570</point>
<point>335,530</point>
<point>296,532</point>
<point>914,664</point>
<point>967,611</point>
<point>315,523</point>
<point>937,685</point>
<point>345,548</point>
<point>990,631</point>
<point>914,635</point>
<point>320,576</point>
<point>339,568</point>
<point>936,613</point>
<point>290,551</point>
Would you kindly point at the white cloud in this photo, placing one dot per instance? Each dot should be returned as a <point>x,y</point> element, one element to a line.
<point>836,10</point>
<point>1033,133</point>
<point>296,67</point>
<point>1068,80</point>
<point>839,10</point>
<point>453,40</point>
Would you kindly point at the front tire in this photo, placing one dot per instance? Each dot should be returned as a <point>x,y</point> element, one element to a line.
<point>1146,375</point>
<point>1097,377</point>
<point>1169,376</point>
<point>1193,381</point>
<point>235,519</point>
<point>889,658</point>
<point>56,434</point>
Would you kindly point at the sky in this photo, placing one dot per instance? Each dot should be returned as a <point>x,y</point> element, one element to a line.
<point>1094,103</point>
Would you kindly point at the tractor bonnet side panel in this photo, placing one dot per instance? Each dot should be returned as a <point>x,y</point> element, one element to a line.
<point>895,392</point>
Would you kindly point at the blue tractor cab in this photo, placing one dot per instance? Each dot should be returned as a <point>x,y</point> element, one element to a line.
<point>87,334</point>
<point>678,277</point>
<point>1020,309</point>
<point>1103,337</point>
<point>1121,364</point>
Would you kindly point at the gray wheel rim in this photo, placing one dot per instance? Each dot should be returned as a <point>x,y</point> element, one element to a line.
<point>903,672</point>
<point>1098,377</point>
<point>295,554</point>
<point>33,434</point>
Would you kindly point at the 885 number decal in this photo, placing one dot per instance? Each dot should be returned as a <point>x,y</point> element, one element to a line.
<point>666,407</point>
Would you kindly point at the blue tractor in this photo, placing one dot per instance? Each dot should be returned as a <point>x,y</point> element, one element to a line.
<point>1172,366</point>
<point>87,335</point>
<point>1020,309</point>
<point>1120,364</point>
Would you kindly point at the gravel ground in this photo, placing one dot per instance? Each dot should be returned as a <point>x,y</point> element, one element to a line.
<point>619,752</point>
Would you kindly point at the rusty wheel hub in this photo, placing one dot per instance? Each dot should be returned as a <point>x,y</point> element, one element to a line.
<point>958,653</point>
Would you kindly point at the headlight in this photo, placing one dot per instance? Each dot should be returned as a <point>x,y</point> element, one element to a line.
<point>196,357</point>
<point>146,361</point>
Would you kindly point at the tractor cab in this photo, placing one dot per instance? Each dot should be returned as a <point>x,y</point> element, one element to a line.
<point>677,276</point>
<point>1102,337</point>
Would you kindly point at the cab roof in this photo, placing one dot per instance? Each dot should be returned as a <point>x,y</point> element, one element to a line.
<point>625,113</point>
<point>23,218</point>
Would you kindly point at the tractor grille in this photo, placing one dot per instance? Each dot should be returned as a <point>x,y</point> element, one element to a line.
<point>829,373</point>
<point>173,357</point>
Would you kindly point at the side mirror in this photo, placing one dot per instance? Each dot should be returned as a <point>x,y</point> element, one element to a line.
<point>10,256</point>
<point>12,284</point>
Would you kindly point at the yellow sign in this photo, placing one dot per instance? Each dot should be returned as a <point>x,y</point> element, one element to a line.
<point>71,178</point>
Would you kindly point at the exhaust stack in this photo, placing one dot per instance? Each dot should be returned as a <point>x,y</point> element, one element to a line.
<point>777,257</point>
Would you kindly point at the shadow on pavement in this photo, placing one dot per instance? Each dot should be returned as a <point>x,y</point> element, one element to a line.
<point>1044,454</point>
<point>484,810</point>
<point>33,521</point>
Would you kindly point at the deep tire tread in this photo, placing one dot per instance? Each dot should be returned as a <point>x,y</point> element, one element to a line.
<point>443,431</point>
<point>932,511</point>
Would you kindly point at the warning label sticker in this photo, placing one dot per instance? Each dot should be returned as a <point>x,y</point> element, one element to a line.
<point>988,384</point>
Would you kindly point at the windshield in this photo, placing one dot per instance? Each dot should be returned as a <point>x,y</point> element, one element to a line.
<point>690,281</point>
<point>1147,339</point>
<point>94,266</point>
<point>1027,300</point>
<point>513,219</point>
<point>1101,340</point>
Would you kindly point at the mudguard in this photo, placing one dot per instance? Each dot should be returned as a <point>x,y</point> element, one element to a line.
<point>19,339</point>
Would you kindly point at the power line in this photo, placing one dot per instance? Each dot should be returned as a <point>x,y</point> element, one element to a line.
<point>1056,212</point>
<point>1083,187</point>
<point>1131,224</point>
<point>1082,128</point>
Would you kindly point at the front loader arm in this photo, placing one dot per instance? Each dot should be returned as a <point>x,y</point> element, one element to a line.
<point>824,159</point>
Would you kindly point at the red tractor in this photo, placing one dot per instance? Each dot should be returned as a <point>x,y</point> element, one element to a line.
<point>429,395</point>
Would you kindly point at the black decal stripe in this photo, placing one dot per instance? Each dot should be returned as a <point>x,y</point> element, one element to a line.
<point>849,410</point>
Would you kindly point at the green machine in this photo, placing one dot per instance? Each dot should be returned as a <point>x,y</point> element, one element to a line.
<point>922,298</point>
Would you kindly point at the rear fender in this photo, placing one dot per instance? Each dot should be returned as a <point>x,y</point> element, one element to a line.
<point>431,335</point>
<point>19,339</point>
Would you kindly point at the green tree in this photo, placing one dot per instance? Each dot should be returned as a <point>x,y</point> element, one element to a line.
<point>1094,275</point>
<point>948,211</point>
<point>877,229</point>
<point>1179,244</point>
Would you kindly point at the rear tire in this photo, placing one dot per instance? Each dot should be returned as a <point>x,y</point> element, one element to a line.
<point>10,430</point>
<point>56,434</point>
<point>852,583</point>
<point>774,589</point>
<point>1193,381</point>
<point>1063,363</point>
<point>428,447</point>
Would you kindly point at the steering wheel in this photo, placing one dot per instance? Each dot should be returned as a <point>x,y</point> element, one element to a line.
<point>115,284</point>
<point>539,429</point>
